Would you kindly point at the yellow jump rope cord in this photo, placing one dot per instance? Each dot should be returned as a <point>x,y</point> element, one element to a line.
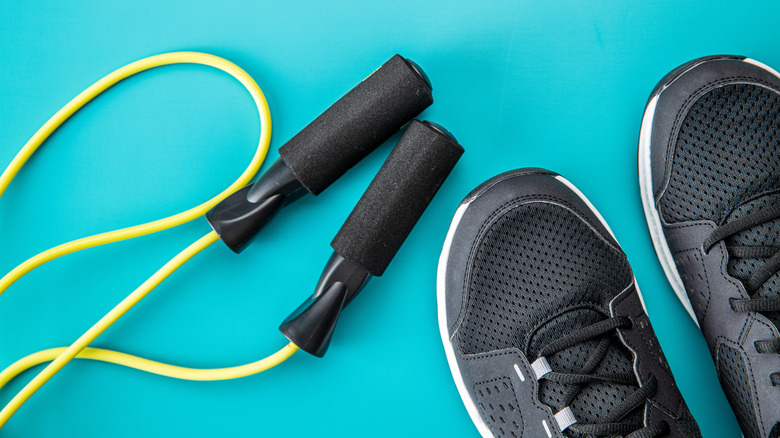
<point>61,356</point>
<point>150,366</point>
<point>159,225</point>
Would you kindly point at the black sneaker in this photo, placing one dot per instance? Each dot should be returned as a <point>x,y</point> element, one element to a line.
<point>709,170</point>
<point>543,325</point>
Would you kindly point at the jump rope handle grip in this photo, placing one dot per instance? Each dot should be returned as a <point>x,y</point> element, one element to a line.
<point>397,197</point>
<point>357,124</point>
<point>323,151</point>
<point>375,230</point>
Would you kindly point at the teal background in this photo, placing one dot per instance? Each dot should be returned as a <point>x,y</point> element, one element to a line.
<point>555,84</point>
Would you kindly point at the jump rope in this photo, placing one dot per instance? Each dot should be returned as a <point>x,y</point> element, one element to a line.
<point>354,126</point>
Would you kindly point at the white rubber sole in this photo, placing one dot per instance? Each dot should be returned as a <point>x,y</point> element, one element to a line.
<point>648,202</point>
<point>651,214</point>
<point>441,274</point>
<point>471,407</point>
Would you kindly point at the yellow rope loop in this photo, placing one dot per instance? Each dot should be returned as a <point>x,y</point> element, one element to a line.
<point>60,357</point>
<point>151,227</point>
<point>150,366</point>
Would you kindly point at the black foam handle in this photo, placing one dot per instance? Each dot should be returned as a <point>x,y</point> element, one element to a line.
<point>397,197</point>
<point>358,123</point>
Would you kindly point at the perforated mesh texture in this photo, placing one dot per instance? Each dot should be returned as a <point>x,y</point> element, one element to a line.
<point>725,167</point>
<point>765,234</point>
<point>500,410</point>
<point>595,400</point>
<point>736,385</point>
<point>534,261</point>
<point>726,152</point>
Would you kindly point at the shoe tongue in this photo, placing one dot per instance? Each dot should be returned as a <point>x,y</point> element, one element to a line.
<point>560,326</point>
<point>595,400</point>
<point>764,234</point>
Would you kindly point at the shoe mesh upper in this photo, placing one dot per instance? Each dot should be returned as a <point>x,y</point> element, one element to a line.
<point>726,153</point>
<point>736,385</point>
<point>533,262</point>
<point>765,234</point>
<point>725,166</point>
<point>595,400</point>
<point>535,259</point>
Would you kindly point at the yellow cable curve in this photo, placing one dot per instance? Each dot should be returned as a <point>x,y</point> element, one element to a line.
<point>151,227</point>
<point>105,322</point>
<point>62,356</point>
<point>150,366</point>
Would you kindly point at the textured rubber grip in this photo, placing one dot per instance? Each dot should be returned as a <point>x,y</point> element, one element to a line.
<point>356,124</point>
<point>397,197</point>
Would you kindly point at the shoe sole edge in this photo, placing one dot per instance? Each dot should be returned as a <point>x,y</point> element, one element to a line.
<point>441,273</point>
<point>652,216</point>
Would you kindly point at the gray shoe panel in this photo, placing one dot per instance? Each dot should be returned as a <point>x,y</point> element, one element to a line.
<point>693,193</point>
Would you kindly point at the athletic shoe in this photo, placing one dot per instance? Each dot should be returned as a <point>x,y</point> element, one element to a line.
<point>544,328</point>
<point>709,171</point>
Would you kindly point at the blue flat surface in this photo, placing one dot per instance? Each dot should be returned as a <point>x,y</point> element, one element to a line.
<point>560,85</point>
